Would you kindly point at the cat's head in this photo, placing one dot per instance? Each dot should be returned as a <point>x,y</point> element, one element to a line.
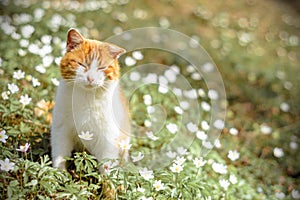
<point>90,63</point>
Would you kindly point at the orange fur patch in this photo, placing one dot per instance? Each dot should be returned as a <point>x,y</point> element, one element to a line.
<point>84,54</point>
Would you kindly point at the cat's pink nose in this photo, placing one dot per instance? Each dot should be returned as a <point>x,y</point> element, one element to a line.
<point>90,79</point>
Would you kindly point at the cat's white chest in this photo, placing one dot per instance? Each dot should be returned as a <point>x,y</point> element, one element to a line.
<point>77,111</point>
<point>84,110</point>
<point>93,111</point>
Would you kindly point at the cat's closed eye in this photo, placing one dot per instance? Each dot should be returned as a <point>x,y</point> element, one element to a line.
<point>82,64</point>
<point>102,68</point>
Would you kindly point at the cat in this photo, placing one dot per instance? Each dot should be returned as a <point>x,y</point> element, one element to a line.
<point>89,100</point>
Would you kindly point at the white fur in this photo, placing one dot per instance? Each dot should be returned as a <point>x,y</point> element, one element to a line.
<point>94,109</point>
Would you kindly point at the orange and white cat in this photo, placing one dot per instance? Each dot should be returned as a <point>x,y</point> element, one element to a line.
<point>89,100</point>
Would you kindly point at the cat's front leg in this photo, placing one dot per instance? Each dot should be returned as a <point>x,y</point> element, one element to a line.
<point>62,146</point>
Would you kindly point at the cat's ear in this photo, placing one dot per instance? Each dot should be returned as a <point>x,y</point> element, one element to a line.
<point>74,39</point>
<point>115,51</point>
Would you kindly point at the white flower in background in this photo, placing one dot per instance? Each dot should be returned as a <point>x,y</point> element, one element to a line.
<point>146,174</point>
<point>179,160</point>
<point>205,106</point>
<point>163,81</point>
<point>201,93</point>
<point>171,154</point>
<point>55,81</point>
<point>86,135</point>
<point>150,109</point>
<point>213,94</point>
<point>184,105</point>
<point>27,31</point>
<point>46,39</point>
<point>151,136</point>
<point>192,127</point>
<point>219,124</point>
<point>278,152</point>
<point>147,99</point>
<point>137,55</point>
<point>196,76</point>
<point>5,95</point>
<point>134,76</point>
<point>38,13</point>
<point>218,144</point>
<point>170,75</point>
<point>24,148</point>
<point>34,48</point>
<point>175,69</point>
<point>233,131</point>
<point>199,162</point>
<point>107,166</point>
<point>265,129</point>
<point>3,136</point>
<point>176,168</point>
<point>129,61</point>
<point>190,69</point>
<point>182,151</point>
<point>224,183</point>
<point>280,195</point>
<point>293,145</point>
<point>163,89</point>
<point>7,28</point>
<point>207,144</point>
<point>177,92</point>
<point>150,78</point>
<point>201,135</point>
<point>295,194</point>
<point>178,110</point>
<point>22,18</point>
<point>57,60</point>
<point>285,107</point>
<point>158,185</point>
<point>139,157</point>
<point>140,189</point>
<point>205,125</point>
<point>25,100</point>
<point>147,123</point>
<point>164,22</point>
<point>233,155</point>
<point>13,88</point>
<point>6,165</point>
<point>48,60</point>
<point>19,74</point>
<point>191,94</point>
<point>35,82</point>
<point>24,43</point>
<point>233,179</point>
<point>219,168</point>
<point>125,145</point>
<point>15,36</point>
<point>46,49</point>
<point>22,52</point>
<point>40,68</point>
<point>207,67</point>
<point>172,128</point>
